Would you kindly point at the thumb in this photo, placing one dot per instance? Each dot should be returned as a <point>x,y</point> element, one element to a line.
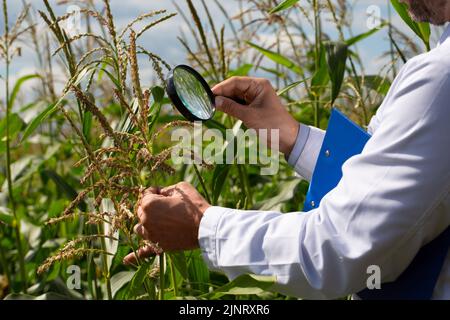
<point>231,107</point>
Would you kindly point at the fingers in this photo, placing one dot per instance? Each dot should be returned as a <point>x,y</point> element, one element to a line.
<point>147,201</point>
<point>140,230</point>
<point>142,253</point>
<point>244,88</point>
<point>149,191</point>
<point>154,190</point>
<point>168,191</point>
<point>231,107</point>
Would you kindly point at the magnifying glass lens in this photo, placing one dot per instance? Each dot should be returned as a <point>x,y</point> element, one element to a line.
<point>193,94</point>
<point>190,93</point>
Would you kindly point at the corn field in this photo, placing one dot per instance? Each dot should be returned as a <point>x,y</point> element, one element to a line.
<point>96,131</point>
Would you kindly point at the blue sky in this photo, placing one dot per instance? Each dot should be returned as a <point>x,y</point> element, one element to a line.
<point>163,38</point>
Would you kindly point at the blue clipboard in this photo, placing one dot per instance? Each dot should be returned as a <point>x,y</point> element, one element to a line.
<point>343,140</point>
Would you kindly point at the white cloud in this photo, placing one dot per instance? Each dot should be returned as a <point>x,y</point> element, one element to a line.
<point>163,38</point>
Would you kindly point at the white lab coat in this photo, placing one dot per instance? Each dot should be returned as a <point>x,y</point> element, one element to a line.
<point>393,199</point>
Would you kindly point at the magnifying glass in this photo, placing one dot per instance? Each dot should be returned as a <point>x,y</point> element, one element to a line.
<point>190,94</point>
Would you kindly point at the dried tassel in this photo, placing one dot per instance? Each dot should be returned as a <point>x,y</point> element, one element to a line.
<point>138,19</point>
<point>135,70</point>
<point>96,112</point>
<point>78,37</point>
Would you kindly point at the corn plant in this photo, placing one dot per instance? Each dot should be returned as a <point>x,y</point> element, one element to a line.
<point>75,171</point>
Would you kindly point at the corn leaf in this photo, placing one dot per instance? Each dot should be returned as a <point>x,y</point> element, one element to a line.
<point>179,260</point>
<point>47,112</point>
<point>87,125</point>
<point>241,71</point>
<point>137,281</point>
<point>290,87</point>
<point>15,125</point>
<point>376,83</point>
<point>6,216</point>
<point>285,193</point>
<point>219,177</point>
<point>119,280</point>
<point>286,4</point>
<point>247,284</point>
<point>321,76</point>
<point>421,29</point>
<point>364,35</point>
<point>337,54</point>
<point>198,271</point>
<point>18,85</point>
<point>278,58</point>
<point>51,109</point>
<point>64,186</point>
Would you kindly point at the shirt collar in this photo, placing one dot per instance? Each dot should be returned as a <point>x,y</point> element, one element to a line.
<point>445,35</point>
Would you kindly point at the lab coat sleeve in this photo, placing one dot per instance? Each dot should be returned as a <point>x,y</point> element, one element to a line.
<point>375,216</point>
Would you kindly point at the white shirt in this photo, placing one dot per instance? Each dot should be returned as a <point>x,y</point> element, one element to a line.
<point>393,199</point>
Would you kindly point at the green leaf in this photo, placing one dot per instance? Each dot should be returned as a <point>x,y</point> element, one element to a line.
<point>241,71</point>
<point>158,95</point>
<point>179,260</point>
<point>377,83</point>
<point>6,216</point>
<point>87,125</point>
<point>426,32</point>
<point>198,271</point>
<point>117,261</point>
<point>337,54</point>
<point>53,107</point>
<point>137,281</point>
<point>247,284</point>
<point>321,76</point>
<point>24,168</point>
<point>286,4</point>
<point>38,120</point>
<point>364,35</point>
<point>278,73</point>
<point>18,85</point>
<point>278,58</point>
<point>119,280</point>
<point>421,29</point>
<point>63,185</point>
<point>219,177</point>
<point>111,77</point>
<point>290,87</point>
<point>285,193</point>
<point>15,125</point>
<point>45,296</point>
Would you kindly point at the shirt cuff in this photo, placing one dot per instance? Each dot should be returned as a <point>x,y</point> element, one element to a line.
<point>207,234</point>
<point>307,160</point>
<point>300,142</point>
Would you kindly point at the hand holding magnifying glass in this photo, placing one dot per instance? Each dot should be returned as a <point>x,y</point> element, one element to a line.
<point>191,94</point>
<point>263,109</point>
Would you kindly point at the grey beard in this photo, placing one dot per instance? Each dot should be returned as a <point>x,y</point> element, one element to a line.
<point>420,12</point>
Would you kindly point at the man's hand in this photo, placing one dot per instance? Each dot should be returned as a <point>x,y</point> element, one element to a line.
<point>263,109</point>
<point>169,217</point>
